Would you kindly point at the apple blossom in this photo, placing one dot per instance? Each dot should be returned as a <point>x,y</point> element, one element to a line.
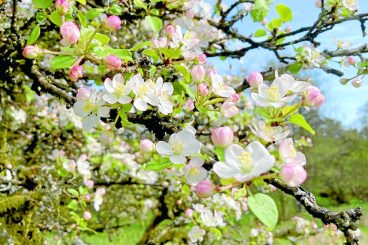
<point>198,72</point>
<point>222,136</point>
<point>181,145</point>
<point>205,188</point>
<point>91,109</point>
<point>293,174</point>
<point>244,164</point>
<point>113,62</point>
<point>63,5</point>
<point>196,234</point>
<point>203,89</point>
<point>70,32</point>
<point>313,97</point>
<point>32,52</point>
<point>146,145</point>
<point>69,165</point>
<point>351,60</point>
<point>83,93</point>
<point>87,215</point>
<point>160,96</point>
<point>75,73</point>
<point>113,23</point>
<point>352,5</point>
<point>170,29</point>
<point>189,213</point>
<point>117,90</point>
<point>83,166</point>
<point>201,58</point>
<point>318,3</point>
<point>188,105</point>
<point>219,87</point>
<point>194,172</point>
<point>288,153</point>
<point>98,199</point>
<point>89,183</point>
<point>229,108</point>
<point>267,132</point>
<point>357,83</point>
<point>255,79</point>
<point>160,43</point>
<point>144,92</point>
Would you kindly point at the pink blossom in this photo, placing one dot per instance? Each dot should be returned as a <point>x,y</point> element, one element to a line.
<point>146,145</point>
<point>70,32</point>
<point>198,72</point>
<point>160,43</point>
<point>113,23</point>
<point>288,153</point>
<point>313,97</point>
<point>32,52</point>
<point>188,105</point>
<point>222,136</point>
<point>88,197</point>
<point>205,188</point>
<point>229,108</point>
<point>83,93</point>
<point>202,58</point>
<point>63,5</point>
<point>318,3</point>
<point>75,73</point>
<point>89,183</point>
<point>189,213</point>
<point>264,21</point>
<point>351,60</point>
<point>87,215</point>
<point>203,89</point>
<point>255,79</point>
<point>293,174</point>
<point>170,29</point>
<point>113,62</point>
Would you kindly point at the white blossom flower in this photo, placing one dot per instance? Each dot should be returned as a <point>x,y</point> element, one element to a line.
<point>117,90</point>
<point>180,146</point>
<point>244,164</point>
<point>223,200</point>
<point>19,116</point>
<point>311,57</point>
<point>196,234</point>
<point>269,133</point>
<point>91,110</point>
<point>212,219</point>
<point>143,92</point>
<point>220,88</point>
<point>98,199</point>
<point>161,97</point>
<point>352,5</point>
<point>283,90</point>
<point>194,172</point>
<point>83,166</point>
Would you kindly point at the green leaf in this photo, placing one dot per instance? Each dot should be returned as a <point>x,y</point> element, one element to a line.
<point>55,17</point>
<point>93,13</point>
<point>43,4</point>
<point>141,45</point>
<point>184,71</point>
<point>220,153</point>
<point>187,89</point>
<point>157,165</point>
<point>171,53</point>
<point>260,33</point>
<point>260,9</point>
<point>74,192</point>
<point>154,22</point>
<point>264,208</point>
<point>295,67</point>
<point>60,62</point>
<point>285,13</point>
<point>274,24</point>
<point>73,204</point>
<point>34,35</point>
<point>140,4</point>
<point>82,18</point>
<point>299,120</point>
<point>153,54</point>
<point>115,9</point>
<point>103,39</point>
<point>82,2</point>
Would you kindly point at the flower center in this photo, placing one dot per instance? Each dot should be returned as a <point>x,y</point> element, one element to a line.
<point>273,93</point>
<point>194,171</point>
<point>292,152</point>
<point>119,91</point>
<point>142,90</point>
<point>91,107</point>
<point>178,148</point>
<point>246,162</point>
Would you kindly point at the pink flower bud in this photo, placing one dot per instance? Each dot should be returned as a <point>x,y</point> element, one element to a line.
<point>146,145</point>
<point>288,29</point>
<point>189,213</point>
<point>100,191</point>
<point>264,21</point>
<point>318,3</point>
<point>32,52</point>
<point>113,62</point>
<point>351,60</point>
<point>198,72</point>
<point>188,105</point>
<point>88,197</point>
<point>222,136</point>
<point>70,32</point>
<point>160,43</point>
<point>205,188</point>
<point>255,79</point>
<point>87,215</point>
<point>83,93</point>
<point>63,5</point>
<point>89,183</point>
<point>313,97</point>
<point>170,29</point>
<point>113,23</point>
<point>293,174</point>
<point>203,89</point>
<point>75,73</point>
<point>357,82</point>
<point>202,58</point>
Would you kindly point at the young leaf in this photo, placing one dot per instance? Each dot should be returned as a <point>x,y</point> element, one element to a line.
<point>60,62</point>
<point>264,208</point>
<point>157,165</point>
<point>43,4</point>
<point>184,71</point>
<point>285,13</point>
<point>295,67</point>
<point>154,22</point>
<point>55,17</point>
<point>140,4</point>
<point>34,35</point>
<point>299,120</point>
<point>260,33</point>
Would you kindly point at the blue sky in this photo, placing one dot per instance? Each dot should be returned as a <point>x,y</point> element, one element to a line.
<point>342,101</point>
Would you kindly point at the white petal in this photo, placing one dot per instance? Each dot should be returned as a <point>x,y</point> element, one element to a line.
<point>163,148</point>
<point>79,108</point>
<point>260,100</point>
<point>232,153</point>
<point>124,99</point>
<point>90,121</point>
<point>118,79</point>
<point>140,104</point>
<point>168,89</point>
<point>110,98</point>
<point>223,170</point>
<point>177,159</point>
<point>108,85</point>
<point>103,111</point>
